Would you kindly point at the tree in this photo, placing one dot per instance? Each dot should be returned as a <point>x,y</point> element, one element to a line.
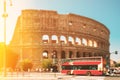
<point>46,63</point>
<point>117,65</point>
<point>26,64</point>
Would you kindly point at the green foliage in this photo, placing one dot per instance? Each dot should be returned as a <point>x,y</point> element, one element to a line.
<point>46,63</point>
<point>26,64</point>
<point>117,65</point>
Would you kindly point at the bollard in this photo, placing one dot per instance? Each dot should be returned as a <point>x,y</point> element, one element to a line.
<point>54,74</point>
<point>60,78</point>
<point>23,73</point>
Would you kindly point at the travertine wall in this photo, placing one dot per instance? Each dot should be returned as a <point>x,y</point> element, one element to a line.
<point>43,33</point>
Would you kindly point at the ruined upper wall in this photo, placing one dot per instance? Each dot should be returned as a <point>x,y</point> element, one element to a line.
<point>47,20</point>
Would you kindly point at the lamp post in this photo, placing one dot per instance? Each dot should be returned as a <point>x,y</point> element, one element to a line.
<point>115,52</point>
<point>54,58</point>
<point>108,58</point>
<point>5,15</point>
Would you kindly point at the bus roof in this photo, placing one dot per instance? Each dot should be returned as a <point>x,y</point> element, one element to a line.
<point>82,63</point>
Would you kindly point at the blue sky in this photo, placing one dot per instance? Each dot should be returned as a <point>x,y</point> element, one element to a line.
<point>104,11</point>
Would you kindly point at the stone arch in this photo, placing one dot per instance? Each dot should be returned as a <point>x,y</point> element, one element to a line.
<point>90,43</point>
<point>77,41</point>
<point>63,39</point>
<point>95,44</point>
<point>45,39</point>
<point>70,40</point>
<point>70,54</point>
<point>45,54</point>
<point>63,55</point>
<point>84,41</point>
<point>54,54</point>
<point>54,39</point>
<point>77,54</point>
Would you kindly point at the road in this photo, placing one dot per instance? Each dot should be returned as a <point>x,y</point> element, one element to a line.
<point>52,76</point>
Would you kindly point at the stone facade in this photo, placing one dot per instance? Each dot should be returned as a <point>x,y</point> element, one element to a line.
<point>44,33</point>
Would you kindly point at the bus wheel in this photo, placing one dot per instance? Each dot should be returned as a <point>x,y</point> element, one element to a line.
<point>88,73</point>
<point>68,73</point>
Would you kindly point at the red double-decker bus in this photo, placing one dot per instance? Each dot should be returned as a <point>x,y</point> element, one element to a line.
<point>83,66</point>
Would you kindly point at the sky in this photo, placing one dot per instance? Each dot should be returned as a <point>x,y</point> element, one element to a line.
<point>104,11</point>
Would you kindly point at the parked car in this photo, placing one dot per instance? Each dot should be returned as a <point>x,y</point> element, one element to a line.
<point>113,72</point>
<point>116,71</point>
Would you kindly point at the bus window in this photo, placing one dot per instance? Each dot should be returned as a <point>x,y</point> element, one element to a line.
<point>74,67</point>
<point>66,67</point>
<point>94,67</point>
<point>87,67</point>
<point>83,67</point>
<point>79,67</point>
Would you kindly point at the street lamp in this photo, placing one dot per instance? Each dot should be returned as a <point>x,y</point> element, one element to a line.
<point>54,57</point>
<point>5,15</point>
<point>116,52</point>
<point>108,58</point>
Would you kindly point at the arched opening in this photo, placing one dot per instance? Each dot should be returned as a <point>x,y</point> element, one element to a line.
<point>78,41</point>
<point>70,54</point>
<point>95,44</point>
<point>45,38</point>
<point>54,54</point>
<point>45,54</point>
<point>70,40</point>
<point>90,43</point>
<point>86,54</point>
<point>54,39</point>
<point>77,54</point>
<point>90,54</point>
<point>63,56</point>
<point>63,39</point>
<point>84,42</point>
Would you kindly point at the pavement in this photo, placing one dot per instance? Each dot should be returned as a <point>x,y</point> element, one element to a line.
<point>52,76</point>
<point>31,76</point>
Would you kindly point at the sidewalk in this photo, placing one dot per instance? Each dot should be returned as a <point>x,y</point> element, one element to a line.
<point>32,76</point>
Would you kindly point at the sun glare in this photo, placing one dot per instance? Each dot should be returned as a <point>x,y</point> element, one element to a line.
<point>13,13</point>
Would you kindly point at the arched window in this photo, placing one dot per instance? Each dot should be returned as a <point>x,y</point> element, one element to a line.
<point>45,54</point>
<point>63,55</point>
<point>95,44</point>
<point>54,39</point>
<point>45,38</point>
<point>90,43</point>
<point>77,54</point>
<point>63,39</point>
<point>78,41</point>
<point>70,54</point>
<point>54,54</point>
<point>70,40</point>
<point>84,41</point>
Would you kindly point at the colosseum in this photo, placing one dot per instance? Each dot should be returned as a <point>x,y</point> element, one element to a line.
<point>43,34</point>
